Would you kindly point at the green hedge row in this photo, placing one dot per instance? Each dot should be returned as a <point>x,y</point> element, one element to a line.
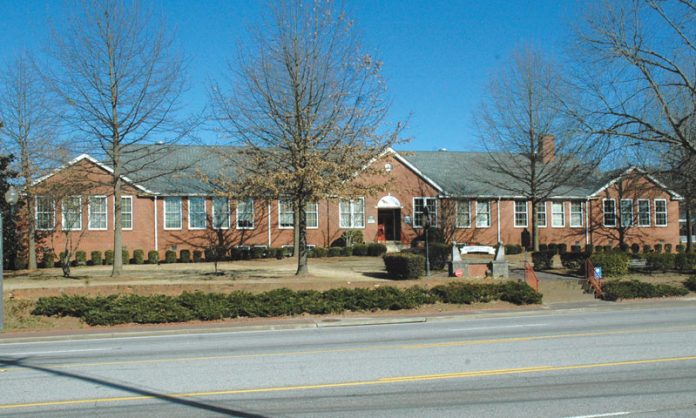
<point>121,309</point>
<point>690,283</point>
<point>634,289</point>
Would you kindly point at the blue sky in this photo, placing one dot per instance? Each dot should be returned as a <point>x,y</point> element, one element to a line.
<point>438,55</point>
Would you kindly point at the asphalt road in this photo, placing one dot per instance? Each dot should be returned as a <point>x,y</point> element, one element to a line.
<point>618,361</point>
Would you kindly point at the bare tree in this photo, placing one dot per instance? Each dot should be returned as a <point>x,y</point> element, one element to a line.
<point>536,149</point>
<point>308,106</point>
<point>122,81</point>
<point>30,132</point>
<point>638,71</point>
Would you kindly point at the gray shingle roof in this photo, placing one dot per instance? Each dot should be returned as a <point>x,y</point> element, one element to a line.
<point>469,174</point>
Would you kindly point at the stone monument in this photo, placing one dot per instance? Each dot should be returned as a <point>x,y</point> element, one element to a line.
<point>499,266</point>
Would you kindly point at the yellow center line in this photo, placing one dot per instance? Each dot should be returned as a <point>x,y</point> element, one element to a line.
<point>375,347</point>
<point>381,381</point>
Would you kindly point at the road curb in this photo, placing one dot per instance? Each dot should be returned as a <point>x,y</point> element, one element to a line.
<point>329,323</point>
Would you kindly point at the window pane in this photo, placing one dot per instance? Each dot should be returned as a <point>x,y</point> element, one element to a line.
<point>626,213</point>
<point>312,215</point>
<point>557,214</point>
<point>644,212</point>
<point>541,213</point>
<point>72,213</point>
<point>463,213</point>
<point>419,205</point>
<point>609,207</point>
<point>520,213</point>
<point>197,213</point>
<point>245,213</point>
<point>221,213</point>
<point>660,212</point>
<point>45,213</point>
<point>351,213</point>
<point>576,214</point>
<point>127,212</point>
<point>172,212</point>
<point>286,216</point>
<point>358,207</point>
<point>97,212</point>
<point>483,214</point>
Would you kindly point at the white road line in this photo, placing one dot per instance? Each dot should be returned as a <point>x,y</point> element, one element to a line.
<point>498,327</point>
<point>608,414</point>
<point>32,353</point>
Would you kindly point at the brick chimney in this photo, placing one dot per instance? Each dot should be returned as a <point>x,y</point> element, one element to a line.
<point>547,148</point>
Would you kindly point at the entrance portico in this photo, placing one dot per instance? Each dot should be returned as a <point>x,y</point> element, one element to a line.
<point>389,219</point>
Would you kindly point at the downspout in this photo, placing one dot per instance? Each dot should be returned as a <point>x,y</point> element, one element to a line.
<point>498,217</point>
<point>269,224</point>
<point>156,224</point>
<point>587,222</point>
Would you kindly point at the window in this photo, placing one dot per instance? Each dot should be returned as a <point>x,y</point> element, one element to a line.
<point>197,213</point>
<point>557,214</point>
<point>541,214</point>
<point>221,213</point>
<point>97,213</point>
<point>643,212</point>
<point>45,213</point>
<point>660,212</point>
<point>609,208</point>
<point>576,214</point>
<point>126,212</point>
<point>463,213</point>
<point>483,214</point>
<point>172,213</point>
<point>245,214</point>
<point>626,213</point>
<point>520,214</point>
<point>352,213</point>
<point>419,205</point>
<point>72,213</point>
<point>285,214</point>
<point>683,224</point>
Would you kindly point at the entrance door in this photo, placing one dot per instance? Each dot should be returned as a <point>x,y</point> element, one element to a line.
<point>390,219</point>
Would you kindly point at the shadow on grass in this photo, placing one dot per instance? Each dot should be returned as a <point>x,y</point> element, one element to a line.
<point>22,363</point>
<point>377,275</point>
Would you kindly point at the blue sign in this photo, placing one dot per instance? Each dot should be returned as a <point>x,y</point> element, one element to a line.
<point>598,273</point>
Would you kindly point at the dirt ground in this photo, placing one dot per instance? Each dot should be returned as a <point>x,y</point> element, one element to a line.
<point>22,288</point>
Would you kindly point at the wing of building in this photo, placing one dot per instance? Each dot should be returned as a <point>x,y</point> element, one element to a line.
<point>170,203</point>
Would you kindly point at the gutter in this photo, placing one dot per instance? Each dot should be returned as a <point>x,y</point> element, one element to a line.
<point>156,224</point>
<point>269,224</point>
<point>498,217</point>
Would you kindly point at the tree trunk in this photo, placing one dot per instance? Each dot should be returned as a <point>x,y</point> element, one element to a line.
<point>535,228</point>
<point>301,238</point>
<point>32,265</point>
<point>689,226</point>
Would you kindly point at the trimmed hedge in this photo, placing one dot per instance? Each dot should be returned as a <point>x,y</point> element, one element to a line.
<point>574,261</point>
<point>660,261</point>
<point>185,256</point>
<point>634,289</point>
<point>120,309</point>
<point>404,265</point>
<point>376,250</point>
<point>96,258</point>
<point>335,251</point>
<point>139,256</point>
<point>513,249</point>
<point>685,261</point>
<point>153,257</point>
<point>542,259</point>
<point>109,257</point>
<point>612,263</point>
<point>360,250</point>
<point>197,256</point>
<point>170,256</point>
<point>80,258</point>
<point>125,259</point>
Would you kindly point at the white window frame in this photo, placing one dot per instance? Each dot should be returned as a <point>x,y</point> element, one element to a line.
<point>554,205</point>
<point>623,223</point>
<point>315,206</point>
<point>130,199</point>
<point>605,213</point>
<point>89,213</point>
<point>52,212</point>
<point>245,202</point>
<point>433,214</point>
<point>660,212</point>
<point>538,212</point>
<point>229,213</point>
<point>581,213</point>
<point>639,223</point>
<point>488,213</point>
<point>285,202</point>
<point>468,206</point>
<point>205,214</point>
<point>62,214</point>
<point>352,214</point>
<point>164,218</point>
<point>516,212</point>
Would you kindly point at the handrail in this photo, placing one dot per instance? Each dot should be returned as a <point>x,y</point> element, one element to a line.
<point>530,276</point>
<point>592,280</point>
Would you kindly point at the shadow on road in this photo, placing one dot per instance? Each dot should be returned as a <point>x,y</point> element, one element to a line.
<point>21,363</point>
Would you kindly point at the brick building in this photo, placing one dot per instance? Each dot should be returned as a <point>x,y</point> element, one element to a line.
<point>182,211</point>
